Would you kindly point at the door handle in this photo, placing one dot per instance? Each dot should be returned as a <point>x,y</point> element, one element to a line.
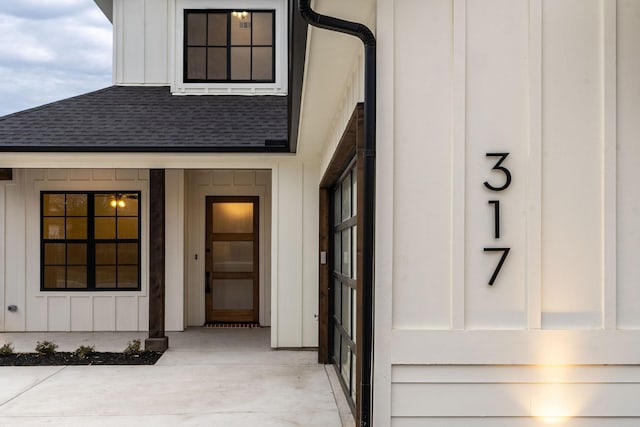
<point>207,285</point>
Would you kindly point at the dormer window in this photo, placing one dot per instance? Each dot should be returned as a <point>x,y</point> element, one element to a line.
<point>229,46</point>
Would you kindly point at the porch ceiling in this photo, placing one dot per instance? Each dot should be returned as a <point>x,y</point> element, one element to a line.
<point>330,60</point>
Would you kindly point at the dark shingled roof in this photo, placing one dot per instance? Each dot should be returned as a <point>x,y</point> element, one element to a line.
<point>137,118</point>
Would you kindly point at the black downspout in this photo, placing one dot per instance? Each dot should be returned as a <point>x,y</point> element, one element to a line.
<point>368,237</point>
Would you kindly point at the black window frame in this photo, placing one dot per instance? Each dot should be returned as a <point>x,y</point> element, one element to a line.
<point>228,46</point>
<point>91,241</point>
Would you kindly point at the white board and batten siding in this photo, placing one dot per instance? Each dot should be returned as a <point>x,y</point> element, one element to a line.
<point>294,252</point>
<point>555,338</point>
<point>148,45</point>
<point>3,261</point>
<point>77,311</point>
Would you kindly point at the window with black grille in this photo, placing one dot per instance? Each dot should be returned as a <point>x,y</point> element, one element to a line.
<point>90,241</point>
<point>229,46</point>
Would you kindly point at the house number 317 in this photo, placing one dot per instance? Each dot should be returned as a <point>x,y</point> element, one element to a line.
<point>498,186</point>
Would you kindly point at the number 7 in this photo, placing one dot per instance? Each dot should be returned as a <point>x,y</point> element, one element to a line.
<point>505,252</point>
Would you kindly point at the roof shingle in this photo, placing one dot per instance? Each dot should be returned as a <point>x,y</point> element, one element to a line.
<point>143,118</point>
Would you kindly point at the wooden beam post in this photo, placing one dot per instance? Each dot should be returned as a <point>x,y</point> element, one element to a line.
<point>157,340</point>
<point>6,174</point>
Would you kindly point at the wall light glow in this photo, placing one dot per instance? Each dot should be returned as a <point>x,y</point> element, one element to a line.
<point>553,420</point>
<point>553,403</point>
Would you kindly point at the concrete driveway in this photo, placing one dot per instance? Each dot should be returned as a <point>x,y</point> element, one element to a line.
<point>208,377</point>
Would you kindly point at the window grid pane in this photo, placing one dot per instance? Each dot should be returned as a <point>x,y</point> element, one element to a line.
<point>196,28</point>
<point>55,254</point>
<point>217,29</point>
<point>53,205</point>
<point>262,29</point>
<point>240,63</point>
<point>76,253</point>
<point>196,63</point>
<point>262,63</point>
<point>240,29</point>
<point>217,63</point>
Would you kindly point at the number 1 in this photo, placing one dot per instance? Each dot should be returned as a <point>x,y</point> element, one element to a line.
<point>496,217</point>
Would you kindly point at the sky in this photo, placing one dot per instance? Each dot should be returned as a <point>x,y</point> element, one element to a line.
<point>51,50</point>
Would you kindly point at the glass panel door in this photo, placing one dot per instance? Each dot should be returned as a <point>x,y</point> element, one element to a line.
<point>231,282</point>
<point>344,266</point>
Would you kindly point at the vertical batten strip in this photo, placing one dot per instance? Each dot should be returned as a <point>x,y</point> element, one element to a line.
<point>384,220</point>
<point>171,43</point>
<point>300,259</point>
<point>118,42</point>
<point>275,255</point>
<point>458,164</point>
<point>3,218</point>
<point>145,34</point>
<point>533,268</point>
<point>609,173</point>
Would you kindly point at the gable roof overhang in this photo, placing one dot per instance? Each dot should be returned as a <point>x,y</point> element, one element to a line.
<point>332,61</point>
<point>106,6</point>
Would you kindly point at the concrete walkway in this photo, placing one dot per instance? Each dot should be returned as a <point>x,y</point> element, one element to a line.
<point>208,377</point>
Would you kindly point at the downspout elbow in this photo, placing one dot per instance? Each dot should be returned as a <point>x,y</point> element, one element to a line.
<point>335,24</point>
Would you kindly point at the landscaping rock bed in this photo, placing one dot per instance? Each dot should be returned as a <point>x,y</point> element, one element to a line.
<point>68,358</point>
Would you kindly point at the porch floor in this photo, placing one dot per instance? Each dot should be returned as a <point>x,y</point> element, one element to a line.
<point>209,377</point>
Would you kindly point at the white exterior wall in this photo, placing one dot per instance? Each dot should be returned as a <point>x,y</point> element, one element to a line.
<point>148,45</point>
<point>555,84</point>
<point>141,42</point>
<point>628,153</point>
<point>3,263</point>
<point>296,257</point>
<point>175,236</point>
<point>81,311</point>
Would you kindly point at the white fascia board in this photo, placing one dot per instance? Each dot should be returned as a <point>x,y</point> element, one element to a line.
<point>144,160</point>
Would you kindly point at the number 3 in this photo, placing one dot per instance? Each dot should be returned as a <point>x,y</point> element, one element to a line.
<point>502,169</point>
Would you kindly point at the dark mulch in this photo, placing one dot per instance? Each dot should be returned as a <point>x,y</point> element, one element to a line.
<point>67,358</point>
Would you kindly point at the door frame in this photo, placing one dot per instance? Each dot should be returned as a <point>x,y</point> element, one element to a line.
<point>255,318</point>
<point>350,147</point>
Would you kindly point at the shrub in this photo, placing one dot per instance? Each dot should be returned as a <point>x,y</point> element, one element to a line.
<point>133,347</point>
<point>6,350</point>
<point>46,347</point>
<point>84,351</point>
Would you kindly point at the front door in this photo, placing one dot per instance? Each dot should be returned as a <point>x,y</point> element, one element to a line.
<point>231,282</point>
